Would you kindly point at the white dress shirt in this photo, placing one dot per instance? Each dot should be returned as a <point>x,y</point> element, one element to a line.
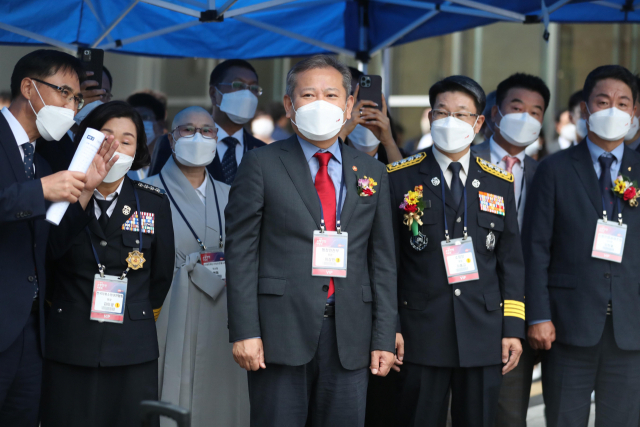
<point>497,154</point>
<point>222,147</point>
<point>112,196</point>
<point>19,133</point>
<point>202,191</point>
<point>444,162</point>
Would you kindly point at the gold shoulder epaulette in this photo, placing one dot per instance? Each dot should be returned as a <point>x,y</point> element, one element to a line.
<point>406,162</point>
<point>494,170</point>
<point>150,188</point>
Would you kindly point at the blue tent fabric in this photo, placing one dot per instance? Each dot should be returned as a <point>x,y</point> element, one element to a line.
<point>287,28</point>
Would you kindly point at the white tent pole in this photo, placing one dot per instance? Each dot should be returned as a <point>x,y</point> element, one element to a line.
<point>38,37</point>
<point>114,23</point>
<point>212,4</point>
<point>491,9</point>
<point>397,36</point>
<point>295,36</point>
<point>195,3</point>
<point>449,8</point>
<point>152,34</point>
<point>173,7</point>
<point>226,6</point>
<point>557,5</point>
<point>409,3</point>
<point>95,13</point>
<point>255,8</point>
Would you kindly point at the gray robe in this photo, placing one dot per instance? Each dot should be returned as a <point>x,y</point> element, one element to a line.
<point>196,365</point>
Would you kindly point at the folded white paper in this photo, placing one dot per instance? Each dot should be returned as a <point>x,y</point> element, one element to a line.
<point>86,152</point>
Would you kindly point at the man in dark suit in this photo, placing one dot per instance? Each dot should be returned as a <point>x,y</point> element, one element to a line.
<point>582,298</point>
<point>516,119</point>
<point>460,269</point>
<point>44,83</point>
<point>306,335</point>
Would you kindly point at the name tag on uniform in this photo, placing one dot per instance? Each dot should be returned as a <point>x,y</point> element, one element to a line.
<point>460,260</point>
<point>109,296</point>
<point>330,254</point>
<point>214,261</point>
<point>608,243</point>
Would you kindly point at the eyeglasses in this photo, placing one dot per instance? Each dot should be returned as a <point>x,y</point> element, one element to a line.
<point>442,114</point>
<point>257,90</point>
<point>187,131</point>
<point>65,93</point>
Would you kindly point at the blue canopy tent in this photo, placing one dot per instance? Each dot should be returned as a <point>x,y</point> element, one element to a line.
<point>275,28</point>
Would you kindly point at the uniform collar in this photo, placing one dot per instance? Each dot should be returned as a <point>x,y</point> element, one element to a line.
<point>19,133</point>
<point>444,161</point>
<point>309,150</point>
<point>239,135</point>
<point>596,152</point>
<point>499,152</point>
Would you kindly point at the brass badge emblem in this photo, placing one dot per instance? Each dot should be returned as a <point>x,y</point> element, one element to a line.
<point>126,210</point>
<point>135,260</point>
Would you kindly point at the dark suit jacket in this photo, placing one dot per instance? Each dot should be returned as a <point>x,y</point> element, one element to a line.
<point>57,153</point>
<point>483,151</point>
<point>272,213</point>
<point>74,339</point>
<point>563,282</point>
<point>23,237</point>
<point>163,151</point>
<point>440,328</point>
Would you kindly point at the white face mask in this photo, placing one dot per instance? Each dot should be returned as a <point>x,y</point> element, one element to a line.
<point>581,129</point>
<point>195,151</point>
<point>240,105</point>
<point>611,124</point>
<point>86,110</point>
<point>633,130</point>
<point>262,126</point>
<point>148,130</point>
<point>319,120</point>
<point>363,139</point>
<point>519,129</point>
<point>568,132</point>
<point>52,122</point>
<point>119,169</point>
<point>532,148</point>
<point>452,135</point>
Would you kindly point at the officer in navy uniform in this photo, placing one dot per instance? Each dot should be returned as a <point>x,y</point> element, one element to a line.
<point>583,299</point>
<point>96,372</point>
<point>462,336</point>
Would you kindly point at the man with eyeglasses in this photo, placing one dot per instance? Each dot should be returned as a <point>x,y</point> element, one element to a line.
<point>234,92</point>
<point>460,269</point>
<point>45,89</point>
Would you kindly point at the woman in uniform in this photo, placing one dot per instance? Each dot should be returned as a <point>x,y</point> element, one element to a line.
<point>101,346</point>
<point>197,370</point>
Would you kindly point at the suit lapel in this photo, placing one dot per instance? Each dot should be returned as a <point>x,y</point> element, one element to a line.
<point>10,146</point>
<point>431,169</point>
<point>295,163</point>
<point>117,216</point>
<point>94,226</point>
<point>529,170</point>
<point>351,200</point>
<point>584,167</point>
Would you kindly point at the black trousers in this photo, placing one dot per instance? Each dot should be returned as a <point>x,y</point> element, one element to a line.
<point>515,392</point>
<point>21,378</point>
<point>79,396</point>
<point>382,396</point>
<point>320,393</point>
<point>424,395</point>
<point>571,373</point>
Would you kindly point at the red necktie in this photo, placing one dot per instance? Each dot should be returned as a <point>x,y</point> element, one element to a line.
<point>327,193</point>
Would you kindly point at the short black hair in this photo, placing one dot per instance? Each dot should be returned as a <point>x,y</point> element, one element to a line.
<point>108,73</point>
<point>523,81</point>
<point>575,99</point>
<point>220,71</point>
<point>459,84</point>
<point>616,72</point>
<point>150,102</point>
<point>43,63</point>
<point>112,110</point>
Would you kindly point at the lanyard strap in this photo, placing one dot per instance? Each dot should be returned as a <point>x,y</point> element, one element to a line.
<point>215,193</point>
<point>338,211</point>
<point>101,267</point>
<point>604,211</point>
<point>444,208</point>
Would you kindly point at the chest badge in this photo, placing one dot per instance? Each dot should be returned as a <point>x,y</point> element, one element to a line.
<point>435,181</point>
<point>491,241</point>
<point>475,183</point>
<point>135,260</point>
<point>419,241</point>
<point>126,210</point>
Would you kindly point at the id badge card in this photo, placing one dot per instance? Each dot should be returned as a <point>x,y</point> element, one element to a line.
<point>214,262</point>
<point>608,244</point>
<point>460,260</point>
<point>109,297</point>
<point>329,254</point>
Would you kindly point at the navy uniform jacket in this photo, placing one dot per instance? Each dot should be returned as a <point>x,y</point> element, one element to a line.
<point>23,237</point>
<point>483,151</point>
<point>439,327</point>
<point>563,282</point>
<point>74,339</point>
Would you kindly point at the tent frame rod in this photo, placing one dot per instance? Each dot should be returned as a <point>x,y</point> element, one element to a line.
<point>449,8</point>
<point>227,6</point>
<point>114,24</point>
<point>92,8</point>
<point>150,35</point>
<point>491,9</point>
<point>409,3</point>
<point>256,7</point>
<point>557,5</point>
<point>295,36</point>
<point>38,37</point>
<point>406,30</point>
<point>173,7</point>
<point>195,3</point>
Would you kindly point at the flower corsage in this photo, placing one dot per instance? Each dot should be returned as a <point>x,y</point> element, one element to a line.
<point>626,189</point>
<point>365,187</point>
<point>413,205</point>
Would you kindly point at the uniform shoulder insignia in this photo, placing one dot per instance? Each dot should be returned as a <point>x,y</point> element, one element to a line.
<point>150,188</point>
<point>494,170</point>
<point>406,162</point>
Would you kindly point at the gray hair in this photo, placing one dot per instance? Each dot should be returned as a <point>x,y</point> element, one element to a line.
<point>318,61</point>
